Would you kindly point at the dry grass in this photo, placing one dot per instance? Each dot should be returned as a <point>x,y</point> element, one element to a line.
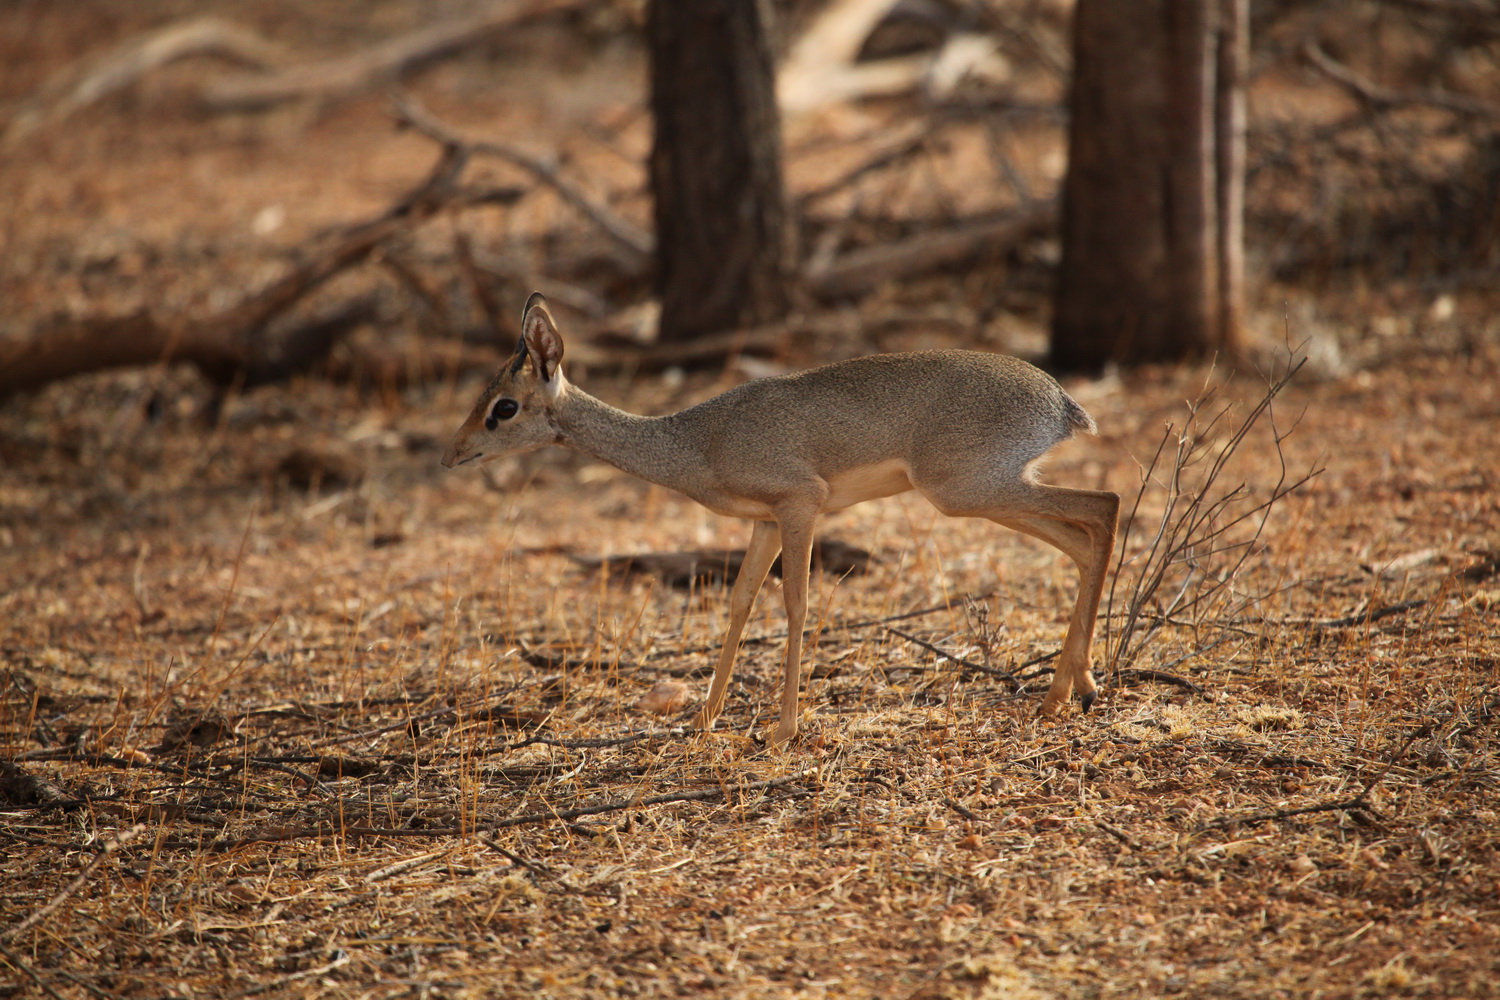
<point>287,710</point>
<point>380,739</point>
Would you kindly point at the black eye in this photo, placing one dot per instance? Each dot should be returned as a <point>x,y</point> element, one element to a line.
<point>504,410</point>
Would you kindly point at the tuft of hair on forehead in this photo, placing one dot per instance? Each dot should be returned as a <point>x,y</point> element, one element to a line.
<point>504,375</point>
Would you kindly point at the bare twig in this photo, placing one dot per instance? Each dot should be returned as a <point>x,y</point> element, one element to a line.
<point>16,961</point>
<point>92,78</point>
<point>340,958</point>
<point>891,152</point>
<point>401,867</point>
<point>78,883</point>
<point>1363,617</point>
<point>636,245</point>
<point>965,664</point>
<point>1357,804</point>
<point>1380,97</point>
<point>370,67</point>
<point>481,289</point>
<point>1163,677</point>
<point>698,795</point>
<point>1198,545</point>
<point>963,811</point>
<point>1118,834</point>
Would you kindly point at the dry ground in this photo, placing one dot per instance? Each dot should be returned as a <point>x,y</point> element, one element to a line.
<point>288,710</point>
<point>312,711</point>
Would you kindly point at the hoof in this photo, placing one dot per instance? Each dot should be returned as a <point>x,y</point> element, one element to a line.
<point>1088,700</point>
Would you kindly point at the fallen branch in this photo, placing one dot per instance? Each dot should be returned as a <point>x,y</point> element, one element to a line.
<point>235,345</point>
<point>529,819</point>
<point>31,973</point>
<point>1118,834</point>
<point>1364,617</point>
<point>1163,677</point>
<point>72,887</point>
<point>637,245</point>
<point>699,795</point>
<point>823,65</point>
<point>892,152</point>
<point>931,250</point>
<point>480,289</point>
<point>91,79</point>
<point>1383,98</point>
<point>340,959</point>
<point>965,664</point>
<point>1354,806</point>
<point>366,69</point>
<point>1475,13</point>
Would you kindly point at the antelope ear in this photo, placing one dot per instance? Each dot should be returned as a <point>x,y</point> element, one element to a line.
<point>540,339</point>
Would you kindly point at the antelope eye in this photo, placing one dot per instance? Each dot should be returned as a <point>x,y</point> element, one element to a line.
<point>504,409</point>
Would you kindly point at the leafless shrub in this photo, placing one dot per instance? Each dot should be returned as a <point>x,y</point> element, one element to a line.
<point>1187,557</point>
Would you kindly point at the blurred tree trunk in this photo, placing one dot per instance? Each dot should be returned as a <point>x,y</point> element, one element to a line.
<point>1152,260</point>
<point>721,231</point>
<point>1232,76</point>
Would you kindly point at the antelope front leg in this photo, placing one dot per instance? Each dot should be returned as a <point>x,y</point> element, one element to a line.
<point>759,555</point>
<point>796,556</point>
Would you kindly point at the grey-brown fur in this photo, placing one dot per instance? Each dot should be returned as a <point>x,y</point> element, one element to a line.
<point>961,427</point>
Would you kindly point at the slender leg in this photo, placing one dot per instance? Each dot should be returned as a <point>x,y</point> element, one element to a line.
<point>796,555</point>
<point>759,555</point>
<point>1081,523</point>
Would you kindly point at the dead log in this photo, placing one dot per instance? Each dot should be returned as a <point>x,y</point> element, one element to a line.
<point>379,64</point>
<point>823,65</point>
<point>931,250</point>
<point>247,343</point>
<point>223,354</point>
<point>275,80</point>
<point>89,80</point>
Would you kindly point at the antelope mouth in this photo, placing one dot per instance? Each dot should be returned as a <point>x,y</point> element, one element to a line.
<point>454,462</point>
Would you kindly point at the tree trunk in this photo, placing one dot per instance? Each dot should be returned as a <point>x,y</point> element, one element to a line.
<point>1150,217</point>
<point>721,232</point>
<point>1233,65</point>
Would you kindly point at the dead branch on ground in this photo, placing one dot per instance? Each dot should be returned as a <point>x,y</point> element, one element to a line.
<point>1383,98</point>
<point>637,246</point>
<point>92,78</point>
<point>823,65</point>
<point>40,914</point>
<point>713,794</point>
<point>930,250</point>
<point>239,344</point>
<point>275,79</point>
<point>361,71</point>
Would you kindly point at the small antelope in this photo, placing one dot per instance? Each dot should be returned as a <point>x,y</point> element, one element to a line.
<point>962,428</point>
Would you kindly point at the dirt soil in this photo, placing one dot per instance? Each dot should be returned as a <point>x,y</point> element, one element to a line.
<point>287,709</point>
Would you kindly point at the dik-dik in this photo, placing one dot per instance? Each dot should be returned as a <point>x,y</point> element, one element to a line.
<point>964,429</point>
